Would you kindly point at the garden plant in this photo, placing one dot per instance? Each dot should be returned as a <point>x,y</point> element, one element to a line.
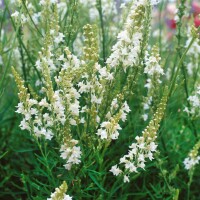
<point>99,99</point>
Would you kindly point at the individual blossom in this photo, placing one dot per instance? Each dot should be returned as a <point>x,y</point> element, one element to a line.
<point>115,170</point>
<point>59,38</point>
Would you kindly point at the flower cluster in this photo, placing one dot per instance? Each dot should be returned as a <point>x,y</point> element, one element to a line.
<point>58,107</point>
<point>194,101</point>
<point>153,70</point>
<point>71,153</point>
<point>193,158</point>
<point>144,147</point>
<point>128,48</point>
<point>193,54</point>
<point>109,129</point>
<point>35,121</point>
<point>59,193</point>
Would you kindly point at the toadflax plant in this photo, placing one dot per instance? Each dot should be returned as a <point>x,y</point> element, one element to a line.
<point>81,105</point>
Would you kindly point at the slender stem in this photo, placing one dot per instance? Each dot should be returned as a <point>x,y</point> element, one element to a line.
<point>4,13</point>
<point>188,191</point>
<point>71,23</point>
<point>44,155</point>
<point>179,66</point>
<point>99,7</point>
<point>179,37</point>
<point>19,35</point>
<point>189,183</point>
<point>10,54</point>
<point>22,44</point>
<point>160,26</point>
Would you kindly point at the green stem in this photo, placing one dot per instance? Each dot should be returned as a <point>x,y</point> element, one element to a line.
<point>179,37</point>
<point>10,54</point>
<point>191,172</point>
<point>99,7</point>
<point>44,155</point>
<point>160,26</point>
<point>4,14</point>
<point>23,45</point>
<point>179,66</point>
<point>19,36</point>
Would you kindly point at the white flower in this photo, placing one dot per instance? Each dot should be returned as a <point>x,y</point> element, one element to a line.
<point>154,2</point>
<point>150,155</point>
<point>126,107</point>
<point>126,179</point>
<point>52,31</point>
<point>115,170</point>
<point>96,100</point>
<point>141,165</point>
<point>38,64</point>
<point>42,2</point>
<point>48,135</point>
<point>15,14</point>
<point>43,103</point>
<point>114,135</point>
<point>194,100</point>
<point>145,117</point>
<point>36,17</point>
<point>59,38</point>
<point>153,146</point>
<point>32,102</point>
<point>102,133</point>
<point>24,125</point>
<point>33,111</point>
<point>127,49</point>
<point>27,116</point>
<point>193,158</point>
<point>61,57</point>
<point>67,197</point>
<point>20,108</point>
<point>68,166</point>
<point>72,122</point>
<point>141,157</point>
<point>74,108</point>
<point>191,162</point>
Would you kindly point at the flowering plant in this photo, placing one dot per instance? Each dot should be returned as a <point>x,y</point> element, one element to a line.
<point>103,99</point>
